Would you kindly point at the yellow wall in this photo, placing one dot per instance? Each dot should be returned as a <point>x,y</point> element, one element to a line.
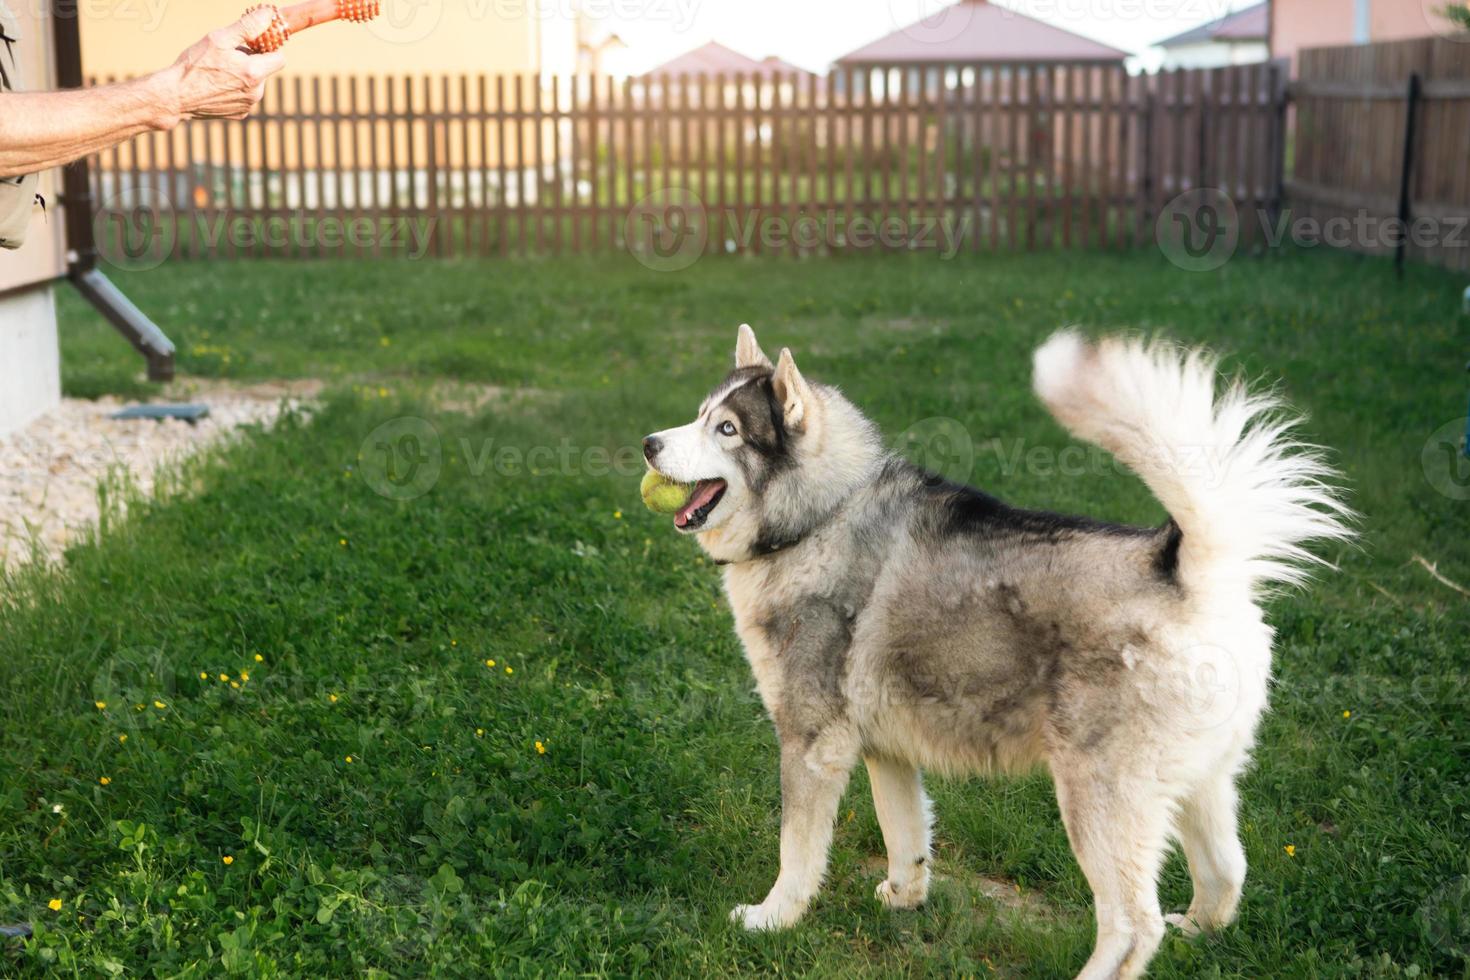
<point>132,37</point>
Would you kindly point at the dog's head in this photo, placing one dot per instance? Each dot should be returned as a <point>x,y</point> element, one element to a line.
<point>771,455</point>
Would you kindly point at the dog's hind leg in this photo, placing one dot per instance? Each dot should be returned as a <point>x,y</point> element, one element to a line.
<point>903,813</point>
<point>1207,830</point>
<point>812,781</point>
<point>1119,833</point>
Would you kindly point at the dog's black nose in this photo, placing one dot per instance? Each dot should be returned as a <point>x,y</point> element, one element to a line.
<point>651,446</point>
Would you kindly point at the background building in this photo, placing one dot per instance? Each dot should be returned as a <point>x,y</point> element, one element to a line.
<point>715,58</point>
<point>974,30</point>
<point>1297,24</point>
<point>1238,38</point>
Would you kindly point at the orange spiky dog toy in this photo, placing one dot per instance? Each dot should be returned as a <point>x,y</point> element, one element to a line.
<point>299,17</point>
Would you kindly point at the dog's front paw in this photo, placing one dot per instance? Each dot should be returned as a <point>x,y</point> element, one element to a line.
<point>764,916</point>
<point>909,895</point>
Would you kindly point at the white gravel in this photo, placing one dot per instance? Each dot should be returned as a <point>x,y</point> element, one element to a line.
<point>50,469</point>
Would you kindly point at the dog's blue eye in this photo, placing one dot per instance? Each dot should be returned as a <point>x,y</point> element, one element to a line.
<point>726,429</point>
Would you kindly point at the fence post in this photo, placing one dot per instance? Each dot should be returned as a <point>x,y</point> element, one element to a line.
<point>1203,92</point>
<point>1147,177</point>
<point>431,164</point>
<point>76,185</point>
<point>1277,93</point>
<point>1406,171</point>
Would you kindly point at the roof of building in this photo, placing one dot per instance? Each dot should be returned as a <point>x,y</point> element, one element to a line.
<point>976,30</point>
<point>714,58</point>
<point>773,63</point>
<point>1243,25</point>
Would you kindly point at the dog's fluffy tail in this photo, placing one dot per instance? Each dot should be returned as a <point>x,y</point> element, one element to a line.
<point>1246,495</point>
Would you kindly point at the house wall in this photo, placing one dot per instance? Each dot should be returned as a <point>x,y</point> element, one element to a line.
<point>133,37</point>
<point>412,40</point>
<point>30,368</point>
<point>44,256</point>
<point>1297,24</point>
<point>30,371</point>
<point>1215,54</point>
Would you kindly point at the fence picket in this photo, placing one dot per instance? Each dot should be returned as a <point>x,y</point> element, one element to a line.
<point>978,148</point>
<point>916,117</point>
<point>866,116</point>
<point>785,148</point>
<point>1109,112</point>
<point>817,118</point>
<point>722,172</point>
<point>738,135</point>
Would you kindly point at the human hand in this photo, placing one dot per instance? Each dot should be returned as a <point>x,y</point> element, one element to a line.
<point>216,78</point>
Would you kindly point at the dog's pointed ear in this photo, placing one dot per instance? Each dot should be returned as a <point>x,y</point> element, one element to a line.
<point>748,351</point>
<point>791,389</point>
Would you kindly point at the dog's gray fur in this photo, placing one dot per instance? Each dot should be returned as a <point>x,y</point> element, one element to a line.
<point>913,623</point>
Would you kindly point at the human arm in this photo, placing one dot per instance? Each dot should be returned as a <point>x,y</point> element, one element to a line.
<point>213,79</point>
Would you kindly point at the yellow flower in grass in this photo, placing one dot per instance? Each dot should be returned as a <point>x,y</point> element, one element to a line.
<point>333,698</point>
<point>508,670</point>
<point>54,905</point>
<point>101,705</point>
<point>159,705</point>
<point>479,733</point>
<point>228,859</point>
<point>1290,850</point>
<point>342,542</point>
<point>1347,714</point>
<point>259,659</point>
<point>224,677</point>
<point>617,515</point>
<point>244,675</point>
<point>235,685</point>
<point>349,760</point>
<point>105,780</point>
<point>540,749</point>
<point>121,739</point>
<point>204,675</point>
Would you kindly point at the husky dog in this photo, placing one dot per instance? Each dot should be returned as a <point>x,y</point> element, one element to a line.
<point>912,623</point>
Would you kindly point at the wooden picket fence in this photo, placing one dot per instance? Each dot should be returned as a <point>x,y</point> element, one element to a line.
<point>1383,132</point>
<point>904,156</point>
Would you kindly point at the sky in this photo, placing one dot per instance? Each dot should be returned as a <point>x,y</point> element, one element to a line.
<point>814,33</point>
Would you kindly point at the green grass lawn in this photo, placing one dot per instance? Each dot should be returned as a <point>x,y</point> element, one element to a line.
<point>372,799</point>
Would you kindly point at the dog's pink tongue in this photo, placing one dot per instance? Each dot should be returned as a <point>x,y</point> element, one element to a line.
<point>704,492</point>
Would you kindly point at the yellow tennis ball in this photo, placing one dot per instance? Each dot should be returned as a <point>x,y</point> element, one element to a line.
<point>662,495</point>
